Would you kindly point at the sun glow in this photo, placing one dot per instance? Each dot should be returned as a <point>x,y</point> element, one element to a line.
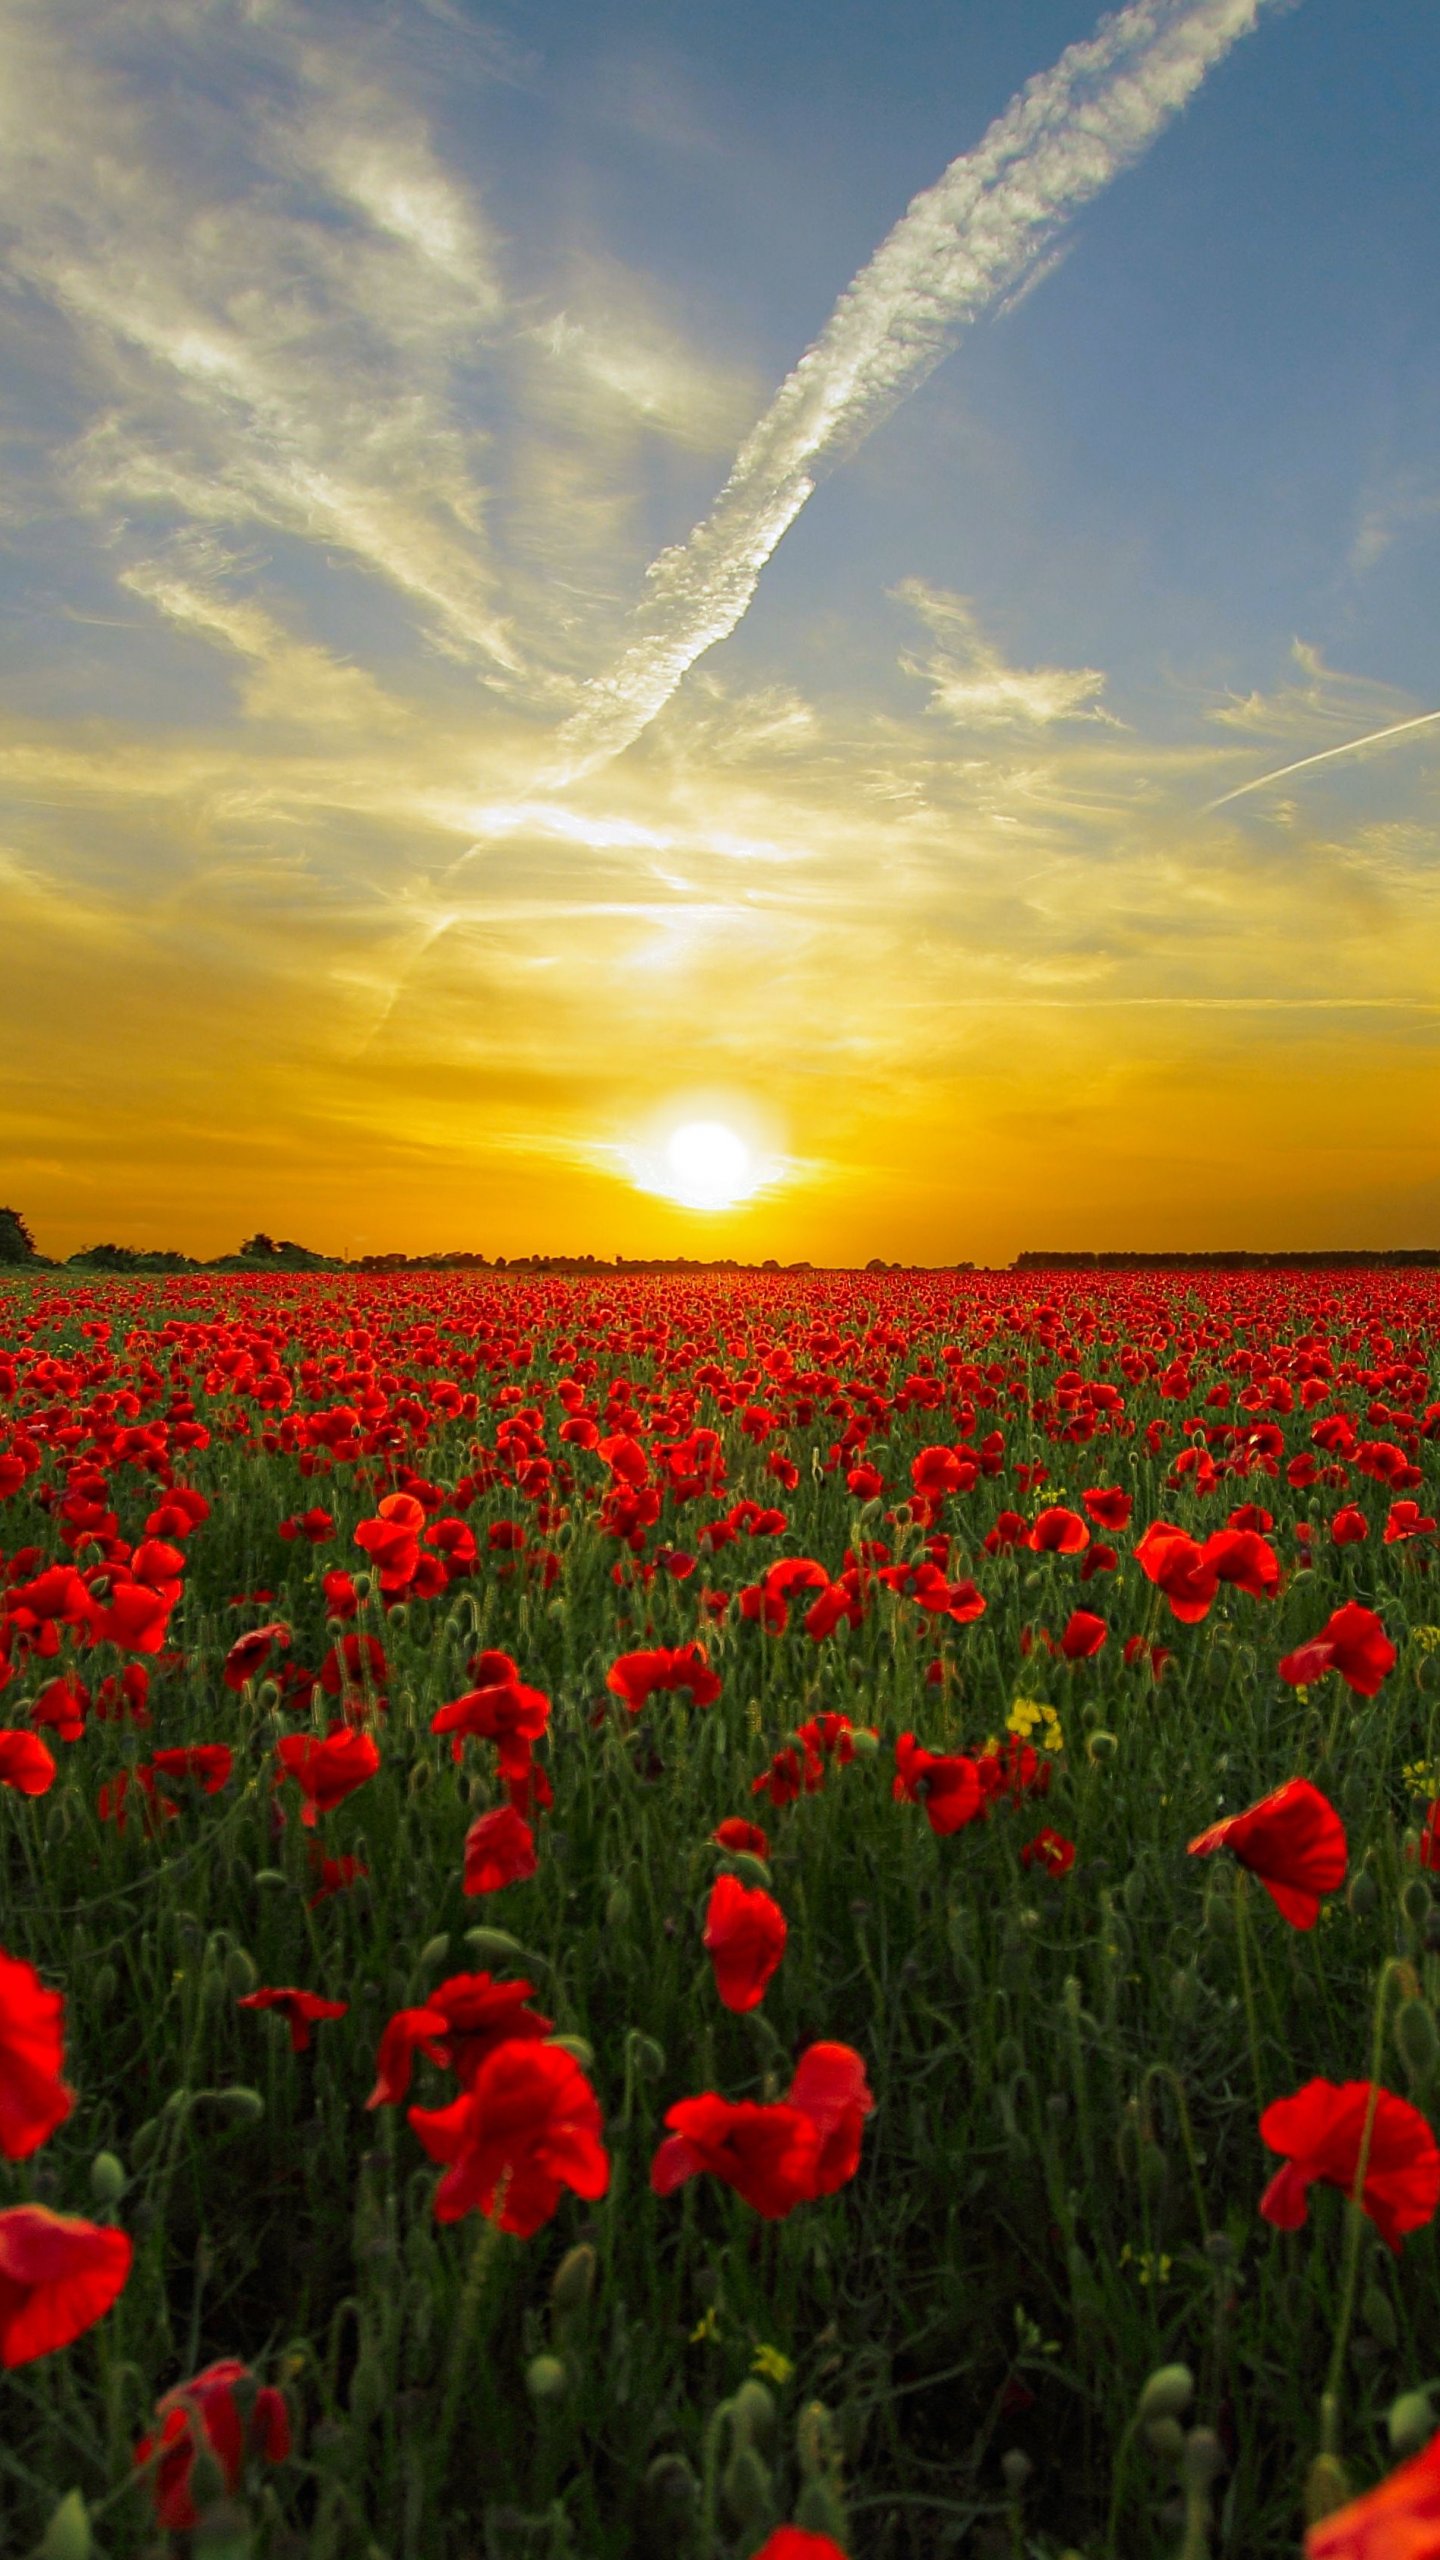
<point>706,1166</point>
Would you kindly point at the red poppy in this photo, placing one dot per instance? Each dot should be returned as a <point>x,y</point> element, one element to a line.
<point>459,2027</point>
<point>733,1834</point>
<point>946,1783</point>
<point>336,1875</point>
<point>745,1935</point>
<point>500,1709</point>
<point>1058,1532</point>
<point>1399,2520</point>
<point>770,2155</point>
<point>792,2542</point>
<point>58,2276</point>
<point>528,2126</point>
<point>1050,1850</point>
<point>356,1662</point>
<point>62,1705</point>
<point>135,1619</point>
<point>1407,1520</point>
<point>830,2088</point>
<point>1349,1527</point>
<point>315,1526</point>
<point>499,1850</point>
<point>249,1654</point>
<point>1352,1642</point>
<point>1082,1636</point>
<point>33,2097</point>
<point>25,1763</point>
<point>1321,2128</point>
<point>301,2010</point>
<point>1243,1557</point>
<point>937,1472</point>
<point>209,1763</point>
<point>202,2414</point>
<point>392,1539</point>
<point>1109,1506</point>
<point>327,1769</point>
<point>635,1677</point>
<point>1293,1840</point>
<point>1170,1558</point>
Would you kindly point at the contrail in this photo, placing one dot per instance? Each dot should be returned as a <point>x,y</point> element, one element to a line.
<point>1351,747</point>
<point>960,248</point>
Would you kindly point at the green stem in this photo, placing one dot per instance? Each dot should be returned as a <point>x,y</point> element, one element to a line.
<point>1247,1987</point>
<point>1355,2221</point>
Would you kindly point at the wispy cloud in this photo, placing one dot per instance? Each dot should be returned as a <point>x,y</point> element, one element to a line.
<point>970,681</point>
<point>960,248</point>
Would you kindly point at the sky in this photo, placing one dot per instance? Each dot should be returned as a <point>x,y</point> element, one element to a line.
<point>569,573</point>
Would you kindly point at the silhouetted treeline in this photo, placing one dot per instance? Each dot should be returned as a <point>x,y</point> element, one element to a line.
<point>1344,1257</point>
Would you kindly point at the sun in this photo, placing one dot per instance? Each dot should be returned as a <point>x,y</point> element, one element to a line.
<point>706,1166</point>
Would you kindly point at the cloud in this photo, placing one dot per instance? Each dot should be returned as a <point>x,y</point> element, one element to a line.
<point>291,680</point>
<point>962,245</point>
<point>1312,712</point>
<point>1408,499</point>
<point>970,682</point>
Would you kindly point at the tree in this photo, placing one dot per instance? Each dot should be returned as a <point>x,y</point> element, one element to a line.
<point>16,1242</point>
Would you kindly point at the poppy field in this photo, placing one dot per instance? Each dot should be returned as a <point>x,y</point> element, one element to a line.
<point>720,1915</point>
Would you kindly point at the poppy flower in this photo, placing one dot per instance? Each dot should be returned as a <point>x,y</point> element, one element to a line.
<point>770,2155</point>
<point>1352,1642</point>
<point>1320,2129</point>
<point>527,2127</point>
<point>25,1763</point>
<point>135,1619</point>
<point>1082,1636</point>
<point>499,1850</point>
<point>58,2276</point>
<point>203,2412</point>
<point>830,2088</point>
<point>1050,1850</point>
<point>249,1654</point>
<point>947,1783</point>
<point>1407,1520</point>
<point>315,1526</point>
<point>745,1935</point>
<point>937,1472</point>
<point>62,1705</point>
<point>1399,2520</point>
<point>792,2542</point>
<point>392,1540</point>
<point>503,1709</point>
<point>336,1875</point>
<point>356,1662</point>
<point>1058,1532</point>
<point>1109,1506</point>
<point>209,1763</point>
<point>458,2027</point>
<point>635,1677</point>
<point>327,1768</point>
<point>1170,1558</point>
<point>1293,1840</point>
<point>1243,1557</point>
<point>33,2097</point>
<point>1349,1527</point>
<point>733,1834</point>
<point>301,2010</point>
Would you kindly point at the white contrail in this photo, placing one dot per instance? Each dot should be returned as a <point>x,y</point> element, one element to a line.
<point>961,246</point>
<point>1351,747</point>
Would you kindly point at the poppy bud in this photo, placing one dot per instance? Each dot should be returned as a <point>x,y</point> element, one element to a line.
<point>819,2509</point>
<point>1165,2437</point>
<point>646,2056</point>
<point>546,2378</point>
<point>224,2531</point>
<point>1378,2313</point>
<point>864,1743</point>
<point>67,2536</point>
<point>750,1869</point>
<point>1416,2038</point>
<point>246,2106</point>
<point>1415,1902</point>
<point>104,1983</point>
<point>435,1951</point>
<point>1101,1746</point>
<point>1363,1898</point>
<point>495,1946</point>
<point>577,2047</point>
<point>1411,2423</point>
<point>672,2492</point>
<point>1327,2487</point>
<point>240,1973</point>
<point>268,1879</point>
<point>745,2487</point>
<point>108,2181</point>
<point>815,2439</point>
<point>752,2414</point>
<point>1204,2458</point>
<point>1015,2469</point>
<point>57,1819</point>
<point>143,2140</point>
<point>1167,2394</point>
<point>574,2279</point>
<point>421,1776</point>
<point>617,1906</point>
<point>1009,2057</point>
<point>1154,2169</point>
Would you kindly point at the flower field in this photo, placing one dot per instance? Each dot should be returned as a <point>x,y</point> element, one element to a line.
<point>720,1915</point>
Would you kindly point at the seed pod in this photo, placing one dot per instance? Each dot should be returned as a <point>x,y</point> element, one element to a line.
<point>546,2378</point>
<point>436,1951</point>
<point>495,1946</point>
<point>1411,2423</point>
<point>1167,2394</point>
<point>108,2181</point>
<point>1165,2437</point>
<point>1416,2038</point>
<point>1015,2469</point>
<point>752,2414</point>
<point>1415,1901</point>
<point>745,2486</point>
<point>1101,1747</point>
<point>1363,1898</point>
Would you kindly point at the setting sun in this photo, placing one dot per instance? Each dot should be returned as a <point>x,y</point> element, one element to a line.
<point>707,1166</point>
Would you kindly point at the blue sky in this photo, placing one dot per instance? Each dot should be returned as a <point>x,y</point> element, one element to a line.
<point>359,361</point>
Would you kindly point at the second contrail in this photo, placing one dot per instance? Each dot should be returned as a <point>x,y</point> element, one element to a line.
<point>1327,755</point>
